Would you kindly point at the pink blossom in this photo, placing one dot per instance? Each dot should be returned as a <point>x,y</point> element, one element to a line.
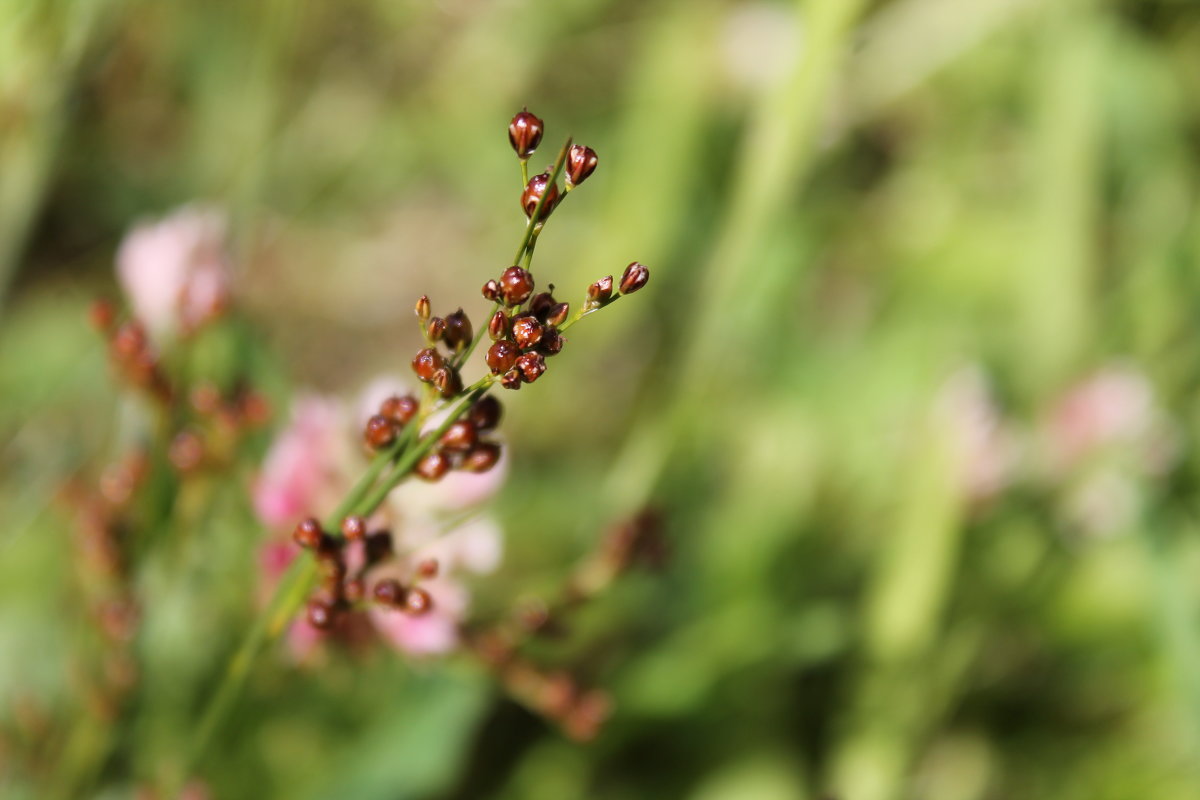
<point>985,446</point>
<point>306,468</point>
<point>175,271</point>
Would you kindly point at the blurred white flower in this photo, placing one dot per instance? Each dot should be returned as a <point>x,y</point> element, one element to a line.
<point>175,271</point>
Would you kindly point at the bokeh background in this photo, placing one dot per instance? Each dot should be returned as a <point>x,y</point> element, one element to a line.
<point>913,385</point>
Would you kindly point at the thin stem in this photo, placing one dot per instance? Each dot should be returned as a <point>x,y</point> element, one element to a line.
<point>524,173</point>
<point>559,163</point>
<point>462,357</point>
<point>584,310</point>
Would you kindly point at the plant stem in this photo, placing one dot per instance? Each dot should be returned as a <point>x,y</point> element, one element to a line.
<point>559,163</point>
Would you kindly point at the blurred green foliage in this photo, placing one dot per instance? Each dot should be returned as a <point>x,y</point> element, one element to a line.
<point>844,205</point>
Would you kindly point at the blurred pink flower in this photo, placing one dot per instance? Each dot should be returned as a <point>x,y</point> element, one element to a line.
<point>306,469</point>
<point>175,272</point>
<point>987,448</point>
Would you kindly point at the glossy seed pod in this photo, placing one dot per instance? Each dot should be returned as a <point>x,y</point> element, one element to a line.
<point>540,304</point>
<point>558,314</point>
<point>423,308</point>
<point>511,379</point>
<point>435,329</point>
<point>539,185</point>
<point>581,162</point>
<point>354,527</point>
<point>388,592</point>
<point>600,291</point>
<point>380,432</point>
<point>525,133</point>
<point>552,342</point>
<point>321,614</point>
<point>531,365</point>
<point>448,382</point>
<point>485,413</point>
<point>308,534</point>
<point>417,602</point>
<point>426,363</point>
<point>527,332</point>
<point>498,326</point>
<point>458,330</point>
<point>491,290</point>
<point>433,466</point>
<point>502,355</point>
<point>635,277</point>
<point>400,409</point>
<point>460,437</point>
<point>482,457</point>
<point>516,284</point>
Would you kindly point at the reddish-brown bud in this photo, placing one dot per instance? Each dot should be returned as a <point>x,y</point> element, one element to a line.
<point>458,330</point>
<point>435,329</point>
<point>527,332</point>
<point>634,278</point>
<point>433,466</point>
<point>379,546</point>
<point>599,292</point>
<point>428,568</point>
<point>417,602</point>
<point>540,303</point>
<point>354,527</point>
<point>511,379</point>
<point>539,185</point>
<point>502,355</point>
<point>491,291</point>
<point>400,409</point>
<point>516,285</point>
<point>525,134</point>
<point>498,326</point>
<point>423,309</point>
<point>426,363</point>
<point>558,314</point>
<point>552,342</point>
<point>531,365</point>
<point>485,414</point>
<point>388,592</point>
<point>482,458</point>
<point>581,162</point>
<point>459,437</point>
<point>380,432</point>
<point>321,614</point>
<point>308,534</point>
<point>448,382</point>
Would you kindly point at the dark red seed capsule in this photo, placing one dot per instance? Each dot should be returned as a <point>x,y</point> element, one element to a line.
<point>426,363</point>
<point>354,527</point>
<point>634,278</point>
<point>400,409</point>
<point>482,458</point>
<point>422,308</point>
<point>502,355</point>
<point>417,602</point>
<point>435,329</point>
<point>498,326</point>
<point>527,332</point>
<point>540,303</point>
<point>581,162</point>
<point>320,614</point>
<point>380,432</point>
<point>458,330</point>
<point>459,437</point>
<point>433,466</point>
<point>516,285</point>
<point>511,379</point>
<point>491,291</point>
<point>485,414</point>
<point>388,592</point>
<point>308,534</point>
<point>600,291</point>
<point>539,185</point>
<point>558,314</point>
<point>379,546</point>
<point>525,134</point>
<point>531,365</point>
<point>552,342</point>
<point>448,382</point>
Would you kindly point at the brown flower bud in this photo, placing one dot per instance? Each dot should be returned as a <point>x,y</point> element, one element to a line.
<point>380,432</point>
<point>558,314</point>
<point>491,291</point>
<point>400,409</point>
<point>531,365</point>
<point>502,355</point>
<point>458,330</point>
<point>308,534</point>
<point>485,413</point>
<point>426,363</point>
<point>423,308</point>
<point>354,527</point>
<point>498,326</point>
<point>417,602</point>
<point>433,466</point>
<point>435,329</point>
<point>527,332</point>
<point>428,568</point>
<point>482,458</point>
<point>599,292</point>
<point>388,592</point>
<point>581,162</point>
<point>516,285</point>
<point>525,134</point>
<point>634,278</point>
<point>511,379</point>
<point>552,342</point>
<point>541,303</point>
<point>321,614</point>
<point>537,186</point>
<point>448,382</point>
<point>459,437</point>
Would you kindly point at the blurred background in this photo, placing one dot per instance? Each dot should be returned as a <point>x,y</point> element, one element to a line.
<point>913,384</point>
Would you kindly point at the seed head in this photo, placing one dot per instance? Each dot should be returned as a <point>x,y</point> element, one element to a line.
<point>558,314</point>
<point>491,291</point>
<point>417,602</point>
<point>423,308</point>
<point>527,332</point>
<point>552,342</point>
<point>433,466</point>
<point>448,382</point>
<point>380,432</point>
<point>485,414</point>
<point>400,409</point>
<point>634,278</point>
<point>511,379</point>
<point>354,527</point>
<point>599,292</point>
<point>435,329</point>
<point>388,592</point>
<point>426,363</point>
<point>308,534</point>
<point>531,365</point>
<point>502,355</point>
<point>581,162</point>
<point>537,186</point>
<point>525,134</point>
<point>459,437</point>
<point>516,285</point>
<point>498,326</point>
<point>458,330</point>
<point>482,458</point>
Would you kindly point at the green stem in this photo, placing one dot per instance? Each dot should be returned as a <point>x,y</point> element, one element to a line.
<point>559,163</point>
